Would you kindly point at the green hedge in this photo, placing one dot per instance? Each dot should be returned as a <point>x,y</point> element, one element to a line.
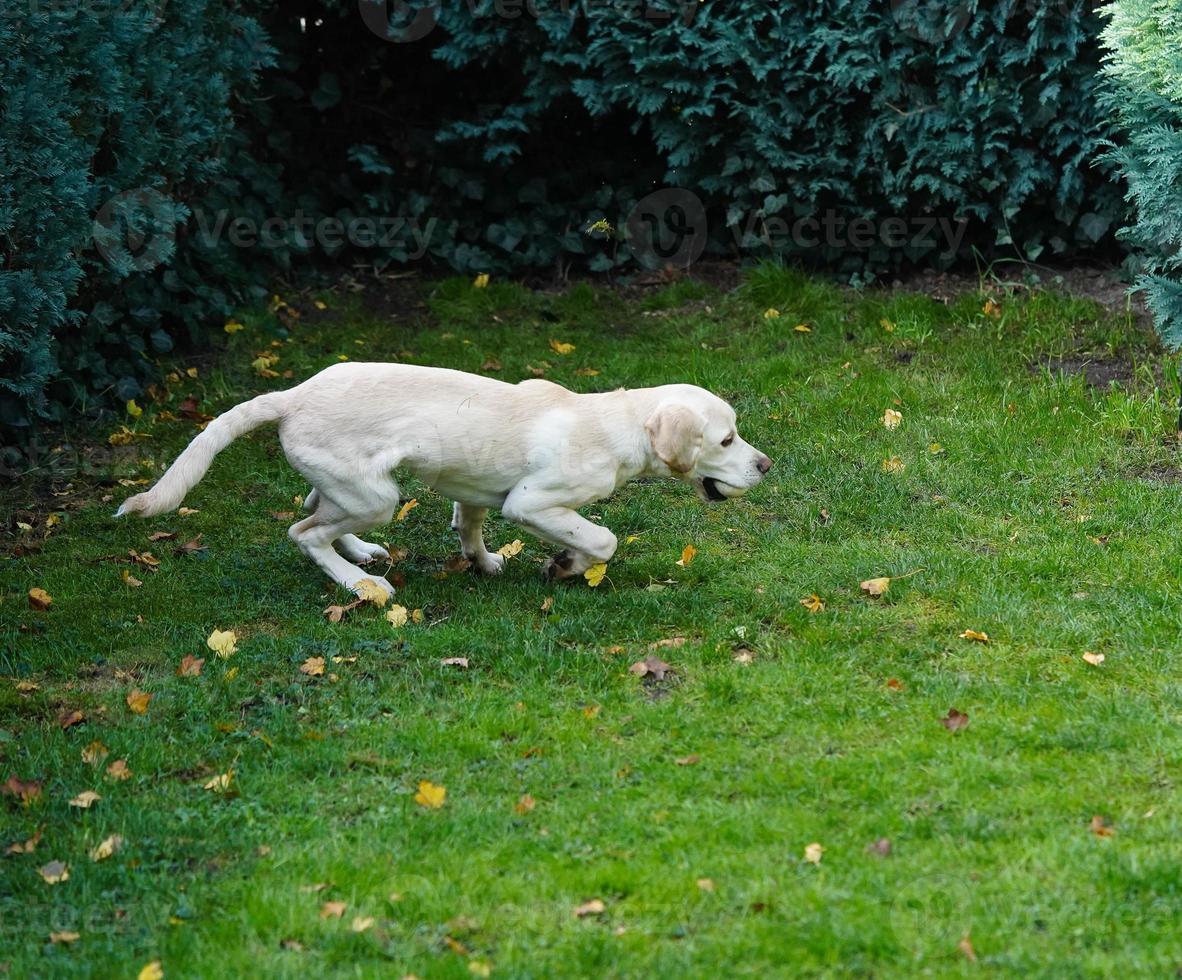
<point>122,113</point>
<point>508,137</point>
<point>517,126</point>
<point>1144,38</point>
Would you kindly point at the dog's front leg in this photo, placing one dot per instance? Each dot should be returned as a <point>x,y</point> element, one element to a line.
<point>584,544</point>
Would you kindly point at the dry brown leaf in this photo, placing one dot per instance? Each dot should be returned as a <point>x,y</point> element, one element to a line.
<point>190,666</point>
<point>138,701</point>
<point>524,805</point>
<point>955,720</point>
<point>26,846</point>
<point>455,662</point>
<point>1095,659</point>
<point>129,579</point>
<point>650,666</point>
<point>688,760</point>
<point>743,656</point>
<point>547,603</point>
<point>85,800</point>
<point>118,771</point>
<point>69,717</point>
<point>162,535</point>
<point>1101,827</point>
<point>361,923</point>
<point>891,419</point>
<point>336,613</point>
<point>332,910</point>
<point>894,684</point>
<point>669,643</point>
<point>313,667</point>
<point>881,847</point>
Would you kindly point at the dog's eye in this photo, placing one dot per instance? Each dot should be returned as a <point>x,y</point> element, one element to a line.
<point>727,441</point>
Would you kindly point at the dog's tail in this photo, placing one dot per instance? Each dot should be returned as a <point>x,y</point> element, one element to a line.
<point>190,465</point>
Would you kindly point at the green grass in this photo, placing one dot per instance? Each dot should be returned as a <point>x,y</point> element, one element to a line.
<point>1037,523</point>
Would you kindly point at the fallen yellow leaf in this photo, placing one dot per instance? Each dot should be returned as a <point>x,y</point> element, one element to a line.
<point>687,556</point>
<point>55,872</point>
<point>40,599</point>
<point>876,586</point>
<point>813,853</point>
<point>813,603</point>
<point>223,642</point>
<point>129,579</point>
<point>313,667</point>
<point>134,410</point>
<point>220,783</point>
<point>430,796</point>
<point>396,616</point>
<point>369,591</point>
<point>151,971</point>
<point>595,574</point>
<point>64,936</point>
<point>511,550</point>
<point>771,313</point>
<point>406,509</point>
<point>593,907</point>
<point>1095,659</point>
<point>94,753</point>
<point>138,701</point>
<point>106,848</point>
<point>524,805</point>
<point>803,328</point>
<point>560,348</point>
<point>891,419</point>
<point>893,465</point>
<point>975,635</point>
<point>233,326</point>
<point>481,281</point>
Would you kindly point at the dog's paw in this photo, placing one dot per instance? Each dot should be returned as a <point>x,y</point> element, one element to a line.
<point>362,552</point>
<point>558,567</point>
<point>489,564</point>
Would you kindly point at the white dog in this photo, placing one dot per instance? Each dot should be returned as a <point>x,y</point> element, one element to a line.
<point>534,450</point>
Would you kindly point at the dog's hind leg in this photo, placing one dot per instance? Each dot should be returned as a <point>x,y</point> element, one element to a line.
<point>349,545</point>
<point>468,521</point>
<point>334,521</point>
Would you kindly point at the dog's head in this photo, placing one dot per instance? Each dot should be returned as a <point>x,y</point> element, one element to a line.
<point>692,433</point>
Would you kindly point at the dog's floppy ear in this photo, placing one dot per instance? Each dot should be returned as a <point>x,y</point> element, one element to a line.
<point>675,432</point>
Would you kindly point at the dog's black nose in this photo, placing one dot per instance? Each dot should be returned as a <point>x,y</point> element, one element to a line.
<point>763,464</point>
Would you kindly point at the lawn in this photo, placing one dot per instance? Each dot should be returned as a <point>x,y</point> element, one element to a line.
<point>1013,499</point>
